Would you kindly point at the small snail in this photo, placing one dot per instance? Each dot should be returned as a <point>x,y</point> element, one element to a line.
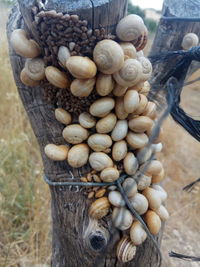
<point>55,152</point>
<point>145,89</point>
<point>63,55</point>
<point>157,178</point>
<point>152,197</point>
<point>143,101</point>
<point>116,199</point>
<point>120,109</point>
<point>153,222</point>
<point>129,50</point>
<point>23,46</point>
<point>119,150</point>
<point>78,155</point>
<point>137,140</point>
<point>190,40</point>
<point>102,107</point>
<point>130,163</point>
<point>75,134</point>
<point>146,68</point>
<point>161,192</point>
<point>99,208</point>
<point>119,90</point>
<point>82,88</point>
<point>57,77</point>
<point>143,181</point>
<point>131,101</point>
<point>108,56</point>
<point>137,233</point>
<point>122,218</point>
<point>106,124</point>
<point>109,174</point>
<point>144,154</point>
<point>100,161</point>
<point>99,142</point>
<point>25,79</point>
<point>34,68</point>
<point>120,130</point>
<point>125,250</point>
<point>152,167</point>
<point>140,124</point>
<point>104,84</point>
<point>81,67</point>
<point>139,203</point>
<point>86,120</point>
<point>63,116</point>
<point>162,213</point>
<point>130,187</point>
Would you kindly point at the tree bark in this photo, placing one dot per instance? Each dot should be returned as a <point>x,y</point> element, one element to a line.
<point>77,240</point>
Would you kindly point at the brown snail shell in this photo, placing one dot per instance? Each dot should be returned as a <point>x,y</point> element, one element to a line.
<point>82,88</point>
<point>126,250</point>
<point>143,102</point>
<point>153,222</point>
<point>25,79</point>
<point>35,68</point>
<point>99,161</point>
<point>162,213</point>
<point>86,120</point>
<point>63,116</point>
<point>131,101</point>
<point>57,77</point>
<point>153,167</point>
<point>153,198</point>
<point>120,109</point>
<point>108,56</point>
<point>81,67</point>
<point>157,178</point>
<point>119,90</point>
<point>140,124</point>
<point>75,134</point>
<point>78,155</point>
<point>106,124</point>
<point>109,174</point>
<point>130,163</point>
<point>137,140</point>
<point>99,208</point>
<point>55,152</point>
<point>104,84</point>
<point>102,107</point>
<point>150,110</point>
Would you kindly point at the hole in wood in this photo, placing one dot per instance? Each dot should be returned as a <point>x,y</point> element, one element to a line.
<point>97,241</point>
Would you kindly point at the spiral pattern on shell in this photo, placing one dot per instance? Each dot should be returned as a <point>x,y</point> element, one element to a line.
<point>146,68</point>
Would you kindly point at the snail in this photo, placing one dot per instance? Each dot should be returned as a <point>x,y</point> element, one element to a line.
<point>56,77</point>
<point>140,124</point>
<point>86,120</point>
<point>143,102</point>
<point>130,163</point>
<point>131,101</point>
<point>152,167</point>
<point>189,40</point>
<point>75,134</point>
<point>146,68</point>
<point>122,218</point>
<point>137,233</point>
<point>63,116</point>
<point>130,187</point>
<point>109,174</point>
<point>106,124</point>
<point>153,222</point>
<point>143,181</point>
<point>63,55</point>
<point>100,193</point>
<point>120,130</point>
<point>99,142</point>
<point>99,208</point>
<point>162,213</point>
<point>81,67</point>
<point>120,109</point>
<point>23,46</point>
<point>35,68</point>
<point>108,56</point>
<point>137,86</point>
<point>157,147</point>
<point>78,155</point>
<point>152,197</point>
<point>130,28</point>
<point>141,42</point>
<point>160,191</point>
<point>145,88</point>
<point>116,199</point>
<point>150,110</point>
<point>82,88</point>
<point>130,73</point>
<point>119,90</point>
<point>102,107</point>
<point>104,84</point>
<point>137,140</point>
<point>25,79</point>
<point>100,161</point>
<point>140,54</point>
<point>144,154</point>
<point>125,250</point>
<point>119,150</point>
<point>129,50</point>
<point>55,152</point>
<point>139,203</point>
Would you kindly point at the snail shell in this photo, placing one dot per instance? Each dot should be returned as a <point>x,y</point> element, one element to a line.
<point>120,109</point>
<point>146,68</point>
<point>109,175</point>
<point>153,167</point>
<point>150,110</point>
<point>129,50</point>
<point>144,154</point>
<point>140,124</point>
<point>63,55</point>
<point>75,134</point>
<point>131,101</point>
<point>139,203</point>
<point>23,46</point>
<point>99,142</point>
<point>82,88</point>
<point>130,187</point>
<point>130,73</point>
<point>102,106</point>
<point>86,120</point>
<point>152,197</point>
<point>162,213</point>
<point>119,90</point>
<point>160,191</point>
<point>143,181</point>
<point>130,28</point>
<point>55,152</point>
<point>137,140</point>
<point>100,161</point>
<point>106,124</point>
<point>104,84</point>
<point>137,87</point>
<point>116,199</point>
<point>57,77</point>
<point>137,233</point>
<point>130,163</point>
<point>63,116</point>
<point>34,68</point>
<point>143,41</point>
<point>119,150</point>
<point>145,88</point>
<point>125,250</point>
<point>122,218</point>
<point>143,102</point>
<point>157,147</point>
<point>158,177</point>
<point>190,40</point>
<point>120,130</point>
<point>25,79</point>
<point>140,54</point>
<point>153,222</point>
<point>99,208</point>
<point>109,56</point>
<point>81,67</point>
<point>78,155</point>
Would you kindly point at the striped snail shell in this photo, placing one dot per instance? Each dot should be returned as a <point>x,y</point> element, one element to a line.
<point>126,250</point>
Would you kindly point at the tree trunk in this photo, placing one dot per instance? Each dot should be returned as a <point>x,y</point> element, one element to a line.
<point>77,240</point>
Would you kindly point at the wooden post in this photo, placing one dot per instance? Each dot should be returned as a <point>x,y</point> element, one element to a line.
<point>77,240</point>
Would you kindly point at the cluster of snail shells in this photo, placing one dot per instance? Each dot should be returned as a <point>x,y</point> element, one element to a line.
<point>189,40</point>
<point>114,131</point>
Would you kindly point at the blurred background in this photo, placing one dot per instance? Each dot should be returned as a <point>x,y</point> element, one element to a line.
<point>25,223</point>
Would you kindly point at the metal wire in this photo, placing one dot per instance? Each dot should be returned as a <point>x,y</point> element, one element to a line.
<point>197,19</point>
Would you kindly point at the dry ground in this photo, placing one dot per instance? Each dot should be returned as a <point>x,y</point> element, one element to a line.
<point>24,205</point>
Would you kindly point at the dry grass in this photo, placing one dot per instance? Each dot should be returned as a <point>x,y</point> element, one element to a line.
<point>24,205</point>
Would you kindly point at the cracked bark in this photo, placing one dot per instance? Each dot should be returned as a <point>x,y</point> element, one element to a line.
<point>77,240</point>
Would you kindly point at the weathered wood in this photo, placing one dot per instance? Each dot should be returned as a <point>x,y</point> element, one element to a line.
<point>77,240</point>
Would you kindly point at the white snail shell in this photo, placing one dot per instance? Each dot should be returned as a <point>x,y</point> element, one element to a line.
<point>82,88</point>
<point>140,203</point>
<point>137,140</point>
<point>146,68</point>
<point>120,130</point>
<point>160,191</point>
<point>57,77</point>
<point>190,40</point>
<point>153,198</point>
<point>109,174</point>
<point>25,79</point>
<point>63,55</point>
<point>129,50</point>
<point>78,155</point>
<point>144,154</point>
<point>116,199</point>
<point>102,107</point>
<point>130,187</point>
<point>75,134</point>
<point>137,233</point>
<point>130,163</point>
<point>143,181</point>
<point>55,152</point>
<point>105,84</point>
<point>86,120</point>
<point>122,218</point>
<point>63,116</point>
<point>131,101</point>
<point>153,167</point>
<point>119,90</point>
<point>106,124</point>
<point>119,150</point>
<point>140,124</point>
<point>99,142</point>
<point>162,213</point>
<point>100,161</point>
